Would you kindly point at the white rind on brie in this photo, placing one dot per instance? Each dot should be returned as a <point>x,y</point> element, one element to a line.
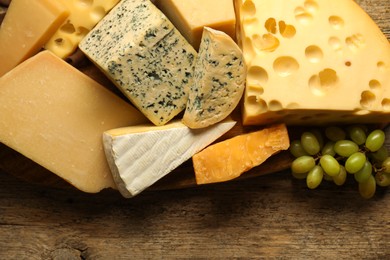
<point>139,156</point>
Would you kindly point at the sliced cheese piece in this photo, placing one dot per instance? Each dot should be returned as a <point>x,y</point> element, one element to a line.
<point>228,159</point>
<point>313,62</point>
<point>219,80</point>
<point>83,16</point>
<point>145,56</point>
<point>26,28</point>
<point>141,155</point>
<point>55,115</point>
<point>190,16</point>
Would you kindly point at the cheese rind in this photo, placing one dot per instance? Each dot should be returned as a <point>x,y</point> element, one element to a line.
<point>141,155</point>
<point>313,62</point>
<point>190,16</point>
<point>228,159</point>
<point>219,80</point>
<point>83,16</point>
<point>145,56</point>
<point>26,27</point>
<point>55,115</point>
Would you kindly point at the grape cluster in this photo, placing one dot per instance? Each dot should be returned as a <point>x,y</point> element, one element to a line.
<point>337,152</point>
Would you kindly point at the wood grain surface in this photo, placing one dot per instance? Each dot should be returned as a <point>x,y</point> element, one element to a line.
<point>271,216</point>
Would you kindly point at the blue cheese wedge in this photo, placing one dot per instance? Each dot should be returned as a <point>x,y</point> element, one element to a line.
<point>138,156</point>
<point>219,80</point>
<point>141,51</point>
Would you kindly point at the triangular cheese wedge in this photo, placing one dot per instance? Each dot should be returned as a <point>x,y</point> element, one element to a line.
<point>313,62</point>
<point>219,80</point>
<point>139,156</point>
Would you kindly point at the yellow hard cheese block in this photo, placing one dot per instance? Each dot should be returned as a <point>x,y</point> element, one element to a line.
<point>84,15</point>
<point>26,28</point>
<point>313,62</point>
<point>55,115</point>
<point>228,159</point>
<point>190,16</point>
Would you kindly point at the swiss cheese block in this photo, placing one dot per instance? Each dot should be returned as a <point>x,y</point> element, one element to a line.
<point>141,155</point>
<point>190,16</point>
<point>219,80</point>
<point>228,159</point>
<point>313,62</point>
<point>26,28</point>
<point>145,56</point>
<point>55,115</point>
<point>84,15</point>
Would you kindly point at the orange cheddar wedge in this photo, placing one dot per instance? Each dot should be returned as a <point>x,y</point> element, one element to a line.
<point>230,158</point>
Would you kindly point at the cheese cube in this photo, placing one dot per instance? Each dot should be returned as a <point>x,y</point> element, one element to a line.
<point>219,80</point>
<point>145,56</point>
<point>26,28</point>
<point>141,155</point>
<point>190,16</point>
<point>313,62</point>
<point>228,159</point>
<point>55,115</point>
<point>83,16</point>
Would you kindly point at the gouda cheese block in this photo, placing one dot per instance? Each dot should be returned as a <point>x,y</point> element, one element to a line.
<point>190,16</point>
<point>313,62</point>
<point>26,28</point>
<point>83,16</point>
<point>228,159</point>
<point>55,115</point>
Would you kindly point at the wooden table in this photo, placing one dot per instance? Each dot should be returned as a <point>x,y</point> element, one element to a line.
<point>271,216</point>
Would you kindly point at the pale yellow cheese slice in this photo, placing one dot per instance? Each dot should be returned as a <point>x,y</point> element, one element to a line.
<point>313,62</point>
<point>26,28</point>
<point>219,80</point>
<point>55,115</point>
<point>228,159</point>
<point>190,16</point>
<point>83,16</point>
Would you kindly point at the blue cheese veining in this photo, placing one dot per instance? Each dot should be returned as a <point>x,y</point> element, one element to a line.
<point>219,80</point>
<point>140,50</point>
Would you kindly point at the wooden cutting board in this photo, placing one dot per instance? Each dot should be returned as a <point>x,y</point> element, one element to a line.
<point>183,177</point>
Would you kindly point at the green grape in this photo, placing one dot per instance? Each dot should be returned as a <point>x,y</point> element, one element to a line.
<point>375,140</point>
<point>328,148</point>
<point>299,176</point>
<point>382,179</point>
<point>355,162</point>
<point>319,136</point>
<point>314,177</point>
<point>380,155</point>
<point>303,164</point>
<point>310,143</point>
<point>330,165</point>
<point>367,188</point>
<point>345,148</point>
<point>386,165</point>
<point>335,133</point>
<point>296,149</point>
<point>340,178</point>
<point>327,177</point>
<point>357,134</point>
<point>364,173</point>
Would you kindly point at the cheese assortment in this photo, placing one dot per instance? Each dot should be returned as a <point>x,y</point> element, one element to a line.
<point>139,156</point>
<point>55,115</point>
<point>190,17</point>
<point>83,16</point>
<point>313,62</point>
<point>25,29</point>
<point>145,56</point>
<point>219,79</point>
<point>68,123</point>
<point>229,159</point>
